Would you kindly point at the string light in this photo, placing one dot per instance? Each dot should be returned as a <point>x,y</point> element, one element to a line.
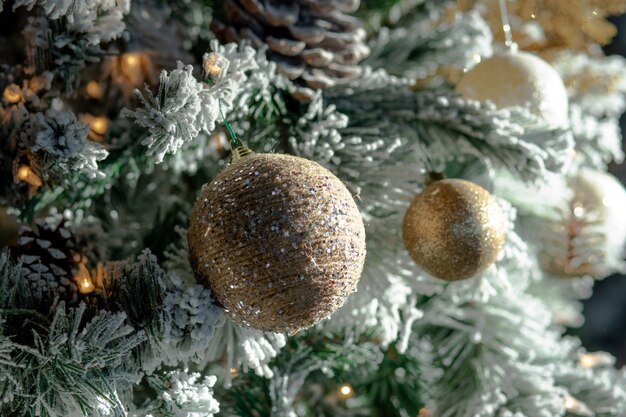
<point>25,174</point>
<point>578,210</point>
<point>22,172</point>
<point>83,279</point>
<point>133,69</point>
<point>346,391</point>
<point>93,89</point>
<point>595,359</point>
<point>99,125</point>
<point>233,372</point>
<point>572,405</point>
<point>12,94</point>
<point>424,412</point>
<point>130,61</point>
<point>214,65</point>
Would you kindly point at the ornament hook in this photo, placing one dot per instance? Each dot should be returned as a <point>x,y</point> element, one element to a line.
<point>237,149</point>
<point>506,27</point>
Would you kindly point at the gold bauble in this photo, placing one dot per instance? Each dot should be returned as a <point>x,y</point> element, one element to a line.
<point>279,240</point>
<point>454,229</point>
<point>516,78</point>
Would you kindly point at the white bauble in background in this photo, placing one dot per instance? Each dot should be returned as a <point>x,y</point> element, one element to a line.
<point>592,236</point>
<point>517,78</point>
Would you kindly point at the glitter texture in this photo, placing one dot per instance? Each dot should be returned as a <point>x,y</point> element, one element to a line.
<point>454,229</point>
<point>518,79</point>
<point>279,240</point>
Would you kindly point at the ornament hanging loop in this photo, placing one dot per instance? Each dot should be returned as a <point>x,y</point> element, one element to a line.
<point>239,152</point>
<point>432,177</point>
<point>506,27</point>
<point>237,149</point>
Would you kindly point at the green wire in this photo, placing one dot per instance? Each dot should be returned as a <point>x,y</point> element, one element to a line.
<point>233,140</point>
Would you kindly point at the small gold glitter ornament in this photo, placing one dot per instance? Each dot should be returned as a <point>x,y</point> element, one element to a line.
<point>517,78</point>
<point>278,239</point>
<point>454,229</point>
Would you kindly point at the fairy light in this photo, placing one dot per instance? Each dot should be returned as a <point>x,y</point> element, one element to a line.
<point>587,361</point>
<point>214,65</point>
<point>233,372</point>
<point>594,359</point>
<point>83,279</point>
<point>131,61</point>
<point>572,405</point>
<point>346,391</point>
<point>12,94</point>
<point>569,402</point>
<point>93,89</point>
<point>99,125</point>
<point>579,210</point>
<point>424,412</point>
<point>132,66</point>
<point>25,174</point>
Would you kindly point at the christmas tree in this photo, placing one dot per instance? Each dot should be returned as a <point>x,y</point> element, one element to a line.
<point>307,208</point>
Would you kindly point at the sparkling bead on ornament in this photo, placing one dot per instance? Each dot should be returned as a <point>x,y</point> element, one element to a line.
<point>454,229</point>
<point>517,78</point>
<point>279,240</point>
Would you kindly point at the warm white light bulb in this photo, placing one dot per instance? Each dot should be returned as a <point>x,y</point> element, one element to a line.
<point>12,94</point>
<point>93,89</point>
<point>99,125</point>
<point>345,390</point>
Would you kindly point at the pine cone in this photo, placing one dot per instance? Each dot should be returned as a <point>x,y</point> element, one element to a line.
<point>51,260</point>
<point>312,42</point>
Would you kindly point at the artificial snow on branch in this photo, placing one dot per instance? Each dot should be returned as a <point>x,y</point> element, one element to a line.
<point>446,127</point>
<point>183,394</point>
<point>183,107</point>
<point>63,139</point>
<point>98,20</point>
<point>428,40</point>
<point>172,116</point>
<point>68,371</point>
<point>190,320</point>
<point>244,348</point>
<point>196,330</point>
<point>597,141</point>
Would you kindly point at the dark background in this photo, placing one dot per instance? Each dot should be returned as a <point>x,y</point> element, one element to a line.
<point>605,311</point>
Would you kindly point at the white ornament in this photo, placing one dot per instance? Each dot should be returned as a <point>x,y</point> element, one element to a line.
<point>516,78</point>
<point>602,194</point>
<point>593,236</point>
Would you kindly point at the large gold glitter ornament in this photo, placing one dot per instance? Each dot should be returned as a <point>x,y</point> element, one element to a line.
<point>516,78</point>
<point>454,229</point>
<point>279,240</point>
<point>590,240</point>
